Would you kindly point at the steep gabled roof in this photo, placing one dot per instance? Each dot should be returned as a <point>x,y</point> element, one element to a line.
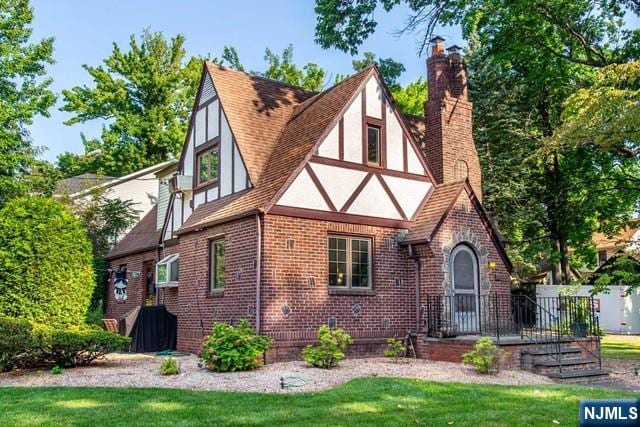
<point>257,110</point>
<point>307,122</point>
<point>76,184</point>
<point>142,237</point>
<point>437,208</point>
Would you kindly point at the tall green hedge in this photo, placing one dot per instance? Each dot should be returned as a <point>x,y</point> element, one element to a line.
<point>46,272</point>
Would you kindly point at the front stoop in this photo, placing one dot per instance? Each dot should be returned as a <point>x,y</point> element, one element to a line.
<point>576,365</point>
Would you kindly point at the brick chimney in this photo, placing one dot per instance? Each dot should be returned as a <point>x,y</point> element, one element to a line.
<point>449,146</point>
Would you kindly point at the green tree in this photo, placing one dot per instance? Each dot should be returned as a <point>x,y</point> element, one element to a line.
<point>45,263</point>
<point>24,94</point>
<point>104,219</point>
<point>282,68</point>
<point>144,96</point>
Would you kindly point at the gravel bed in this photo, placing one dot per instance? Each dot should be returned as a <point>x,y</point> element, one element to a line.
<point>141,370</point>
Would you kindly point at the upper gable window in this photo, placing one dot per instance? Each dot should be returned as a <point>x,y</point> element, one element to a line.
<point>207,163</point>
<point>373,145</point>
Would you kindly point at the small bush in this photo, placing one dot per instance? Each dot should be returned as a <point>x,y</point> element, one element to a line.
<point>25,344</point>
<point>230,348</point>
<point>331,349</point>
<point>395,349</point>
<point>71,348</point>
<point>56,370</point>
<point>170,366</point>
<point>486,357</point>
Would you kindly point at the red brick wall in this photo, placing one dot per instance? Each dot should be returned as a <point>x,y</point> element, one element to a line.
<point>135,287</point>
<point>286,274</point>
<point>197,309</point>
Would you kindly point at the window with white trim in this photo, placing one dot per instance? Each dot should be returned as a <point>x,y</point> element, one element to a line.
<point>167,271</point>
<point>349,262</point>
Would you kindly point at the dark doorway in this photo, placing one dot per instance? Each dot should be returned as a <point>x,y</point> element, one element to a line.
<point>149,277</point>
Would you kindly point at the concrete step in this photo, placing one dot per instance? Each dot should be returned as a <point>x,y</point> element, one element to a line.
<point>538,352</point>
<point>579,376</point>
<point>565,362</point>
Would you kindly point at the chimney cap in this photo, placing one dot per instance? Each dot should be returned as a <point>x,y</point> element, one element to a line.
<point>454,49</point>
<point>437,40</point>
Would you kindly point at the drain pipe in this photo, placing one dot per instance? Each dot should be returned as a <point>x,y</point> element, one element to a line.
<point>258,272</point>
<point>417,263</point>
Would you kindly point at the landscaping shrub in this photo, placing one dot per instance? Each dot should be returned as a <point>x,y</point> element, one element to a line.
<point>26,344</point>
<point>69,348</point>
<point>395,349</point>
<point>22,343</point>
<point>45,263</point>
<point>230,348</point>
<point>331,349</point>
<point>486,357</point>
<point>170,366</point>
<point>56,370</point>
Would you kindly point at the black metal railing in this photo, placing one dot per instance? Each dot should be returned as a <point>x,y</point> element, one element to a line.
<point>547,321</point>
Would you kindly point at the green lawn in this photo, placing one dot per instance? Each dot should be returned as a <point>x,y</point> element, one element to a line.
<point>621,346</point>
<point>365,401</point>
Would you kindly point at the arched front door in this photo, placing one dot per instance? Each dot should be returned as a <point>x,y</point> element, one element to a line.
<point>464,277</point>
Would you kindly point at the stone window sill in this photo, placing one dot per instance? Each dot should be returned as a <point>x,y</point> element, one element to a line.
<point>347,291</point>
<point>215,293</point>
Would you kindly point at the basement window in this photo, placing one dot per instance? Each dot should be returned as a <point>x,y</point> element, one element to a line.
<point>167,271</point>
<point>349,262</point>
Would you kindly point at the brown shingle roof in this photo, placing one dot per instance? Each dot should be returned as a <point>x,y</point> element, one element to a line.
<point>288,148</point>
<point>257,110</point>
<point>433,213</point>
<point>621,239</point>
<point>142,237</point>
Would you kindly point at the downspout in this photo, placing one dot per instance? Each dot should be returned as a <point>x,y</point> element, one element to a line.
<point>417,263</point>
<point>258,272</point>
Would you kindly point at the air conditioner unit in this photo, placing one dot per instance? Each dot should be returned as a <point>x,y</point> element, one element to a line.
<point>180,183</point>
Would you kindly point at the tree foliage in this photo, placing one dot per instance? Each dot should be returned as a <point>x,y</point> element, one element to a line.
<point>144,96</point>
<point>104,219</point>
<point>24,94</point>
<point>45,263</point>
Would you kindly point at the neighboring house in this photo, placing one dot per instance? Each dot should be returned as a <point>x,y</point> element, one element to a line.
<point>295,209</point>
<point>141,187</point>
<point>627,238</point>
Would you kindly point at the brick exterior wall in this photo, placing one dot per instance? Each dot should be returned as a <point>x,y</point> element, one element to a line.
<point>388,309</point>
<point>135,288</point>
<point>197,308</point>
<point>464,220</point>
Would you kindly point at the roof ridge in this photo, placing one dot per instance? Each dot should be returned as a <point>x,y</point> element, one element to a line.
<point>258,76</point>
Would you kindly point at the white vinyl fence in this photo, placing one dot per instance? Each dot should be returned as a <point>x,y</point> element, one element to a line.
<point>618,313</point>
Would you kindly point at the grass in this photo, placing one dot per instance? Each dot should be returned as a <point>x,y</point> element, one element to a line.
<point>621,347</point>
<point>364,401</point>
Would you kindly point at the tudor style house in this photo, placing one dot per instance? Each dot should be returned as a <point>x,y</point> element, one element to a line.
<point>295,209</point>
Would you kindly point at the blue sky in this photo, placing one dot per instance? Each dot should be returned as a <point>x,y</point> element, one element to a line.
<point>85,30</point>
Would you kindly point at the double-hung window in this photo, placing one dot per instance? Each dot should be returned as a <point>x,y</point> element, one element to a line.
<point>216,264</point>
<point>167,271</point>
<point>349,262</point>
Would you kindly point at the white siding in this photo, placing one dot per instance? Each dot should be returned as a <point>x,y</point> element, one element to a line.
<point>353,131</point>
<point>374,99</point>
<point>212,194</point>
<point>302,193</point>
<point>188,158</point>
<point>212,120</point>
<point>408,192</point>
<point>413,162</point>
<point>395,155</point>
<point>177,213</point>
<point>239,173</point>
<point>374,201</point>
<point>339,183</point>
<point>163,203</point>
<point>198,199</point>
<point>200,123</point>
<point>226,158</point>
<point>330,146</point>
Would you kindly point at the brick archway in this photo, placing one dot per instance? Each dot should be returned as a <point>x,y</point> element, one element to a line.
<point>466,236</point>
